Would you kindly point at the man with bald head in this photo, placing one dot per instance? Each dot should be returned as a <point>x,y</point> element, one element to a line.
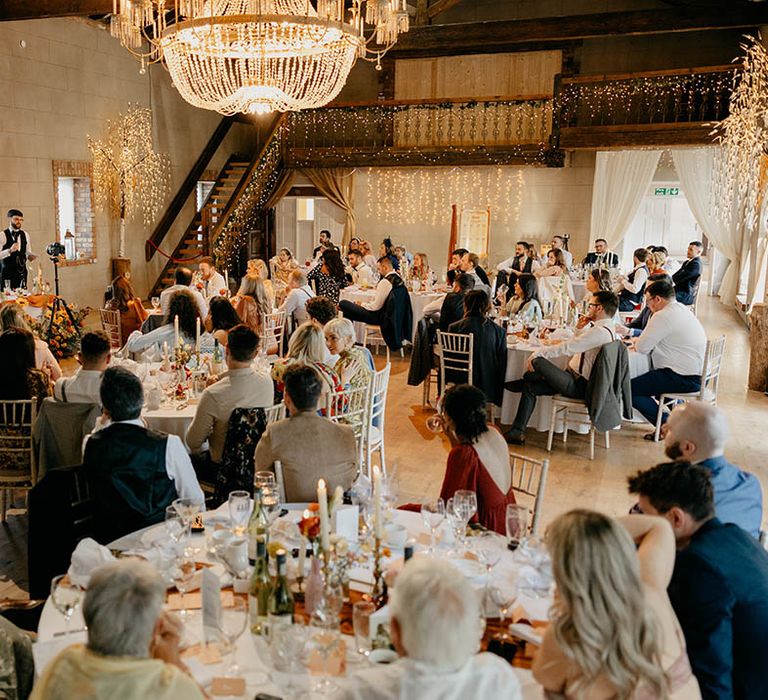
<point>697,432</point>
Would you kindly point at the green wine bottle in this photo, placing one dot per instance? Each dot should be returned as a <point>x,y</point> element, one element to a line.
<point>260,590</point>
<point>281,598</point>
<point>258,526</point>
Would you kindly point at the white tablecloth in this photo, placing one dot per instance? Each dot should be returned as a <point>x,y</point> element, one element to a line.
<point>167,419</point>
<point>360,296</point>
<point>540,419</point>
<point>251,654</point>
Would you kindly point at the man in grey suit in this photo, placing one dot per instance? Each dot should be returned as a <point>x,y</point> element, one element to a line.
<point>308,446</point>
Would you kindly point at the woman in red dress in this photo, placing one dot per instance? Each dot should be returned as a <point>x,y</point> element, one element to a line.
<point>479,460</point>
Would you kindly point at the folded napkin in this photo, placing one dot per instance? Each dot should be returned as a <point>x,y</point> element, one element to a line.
<point>561,334</point>
<point>88,556</point>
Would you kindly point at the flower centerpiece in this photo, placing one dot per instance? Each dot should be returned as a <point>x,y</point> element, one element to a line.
<point>64,335</point>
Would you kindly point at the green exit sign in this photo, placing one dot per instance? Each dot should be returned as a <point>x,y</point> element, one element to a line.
<point>666,191</point>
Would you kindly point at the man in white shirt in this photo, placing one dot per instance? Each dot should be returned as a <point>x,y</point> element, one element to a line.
<point>84,387</point>
<point>544,378</point>
<point>362,275</point>
<point>239,387</point>
<point>183,278</point>
<point>15,250</point>
<point>469,265</point>
<point>558,243</point>
<point>135,473</point>
<point>372,311</point>
<point>213,281</point>
<point>433,621</point>
<point>299,294</point>
<point>633,285</point>
<point>676,342</point>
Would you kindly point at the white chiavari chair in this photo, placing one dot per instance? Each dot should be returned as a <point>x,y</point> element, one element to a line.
<point>529,479</point>
<point>18,470</point>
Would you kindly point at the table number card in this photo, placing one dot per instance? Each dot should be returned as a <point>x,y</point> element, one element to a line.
<point>346,521</point>
<point>211,594</point>
<point>229,687</point>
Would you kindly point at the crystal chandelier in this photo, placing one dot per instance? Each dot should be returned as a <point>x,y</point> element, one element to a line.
<point>256,56</point>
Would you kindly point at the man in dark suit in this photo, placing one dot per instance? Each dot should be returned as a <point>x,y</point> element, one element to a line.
<point>452,308</point>
<point>601,256</point>
<point>719,588</point>
<point>687,278</point>
<point>15,251</point>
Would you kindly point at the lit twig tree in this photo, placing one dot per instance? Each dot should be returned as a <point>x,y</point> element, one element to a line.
<point>128,175</point>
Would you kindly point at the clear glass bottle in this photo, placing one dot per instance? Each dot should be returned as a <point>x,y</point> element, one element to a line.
<point>259,590</point>
<point>258,525</point>
<point>281,598</point>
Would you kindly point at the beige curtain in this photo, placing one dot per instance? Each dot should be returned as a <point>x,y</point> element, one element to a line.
<point>282,188</point>
<point>337,185</point>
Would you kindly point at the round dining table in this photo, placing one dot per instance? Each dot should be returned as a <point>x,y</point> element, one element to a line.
<point>252,652</point>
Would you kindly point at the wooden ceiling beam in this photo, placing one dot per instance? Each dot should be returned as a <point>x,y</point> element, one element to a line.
<point>501,35</point>
<point>439,6</point>
<point>42,9</point>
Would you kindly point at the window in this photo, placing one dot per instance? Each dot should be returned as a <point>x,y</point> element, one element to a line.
<point>73,195</point>
<point>305,209</point>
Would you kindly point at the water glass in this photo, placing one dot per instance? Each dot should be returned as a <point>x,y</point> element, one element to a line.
<point>503,595</point>
<point>465,503</point>
<point>231,624</point>
<point>361,621</point>
<point>517,524</point>
<point>433,514</point>
<point>155,302</point>
<point>174,524</point>
<point>435,423</point>
<point>66,597</point>
<point>488,550</point>
<point>183,573</point>
<point>239,511</point>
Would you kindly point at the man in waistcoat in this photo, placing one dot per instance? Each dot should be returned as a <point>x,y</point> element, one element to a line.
<point>15,252</point>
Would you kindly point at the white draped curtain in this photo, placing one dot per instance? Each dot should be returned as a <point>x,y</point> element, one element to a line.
<point>695,167</point>
<point>621,181</point>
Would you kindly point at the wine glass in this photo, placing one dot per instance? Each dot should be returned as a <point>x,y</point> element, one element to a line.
<point>286,646</point>
<point>517,524</point>
<point>188,508</point>
<point>155,303</point>
<point>66,597</point>
<point>231,624</point>
<point>488,550</point>
<point>174,524</point>
<point>323,656</point>
<point>465,501</point>
<point>435,423</point>
<point>183,573</point>
<point>239,510</point>
<point>433,514</point>
<point>503,594</point>
<point>456,522</point>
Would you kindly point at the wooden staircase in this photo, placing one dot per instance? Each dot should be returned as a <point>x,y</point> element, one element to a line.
<point>195,243</point>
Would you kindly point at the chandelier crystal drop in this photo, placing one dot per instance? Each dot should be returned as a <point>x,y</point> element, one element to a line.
<point>257,56</point>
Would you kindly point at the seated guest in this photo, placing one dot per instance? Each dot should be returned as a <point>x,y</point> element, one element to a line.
<point>213,281</point>
<point>94,357</point>
<point>295,304</point>
<point>368,257</point>
<point>308,446</point>
<point>256,266</point>
<point>135,473</point>
<point>21,379</point>
<point>252,303</point>
<point>181,305</point>
<point>479,456</point>
<point>520,263</point>
<point>613,633</point>
<point>239,387</point>
<point>470,265</point>
<point>124,300</point>
<point>434,627</point>
<point>636,326</point>
<point>17,664</point>
<point>555,266</point>
<point>403,256</point>
<point>719,587</point>
<point>633,286</point>
<point>361,274</point>
<point>372,312</point>
<point>671,266</point>
<point>132,650</point>
<point>544,378</point>
<point>183,277</point>
<point>355,364</point>
<point>558,243</point>
<point>655,262</point>
<point>283,264</point>
<point>307,347</point>
<point>687,278</point>
<point>676,342</point>
<point>450,308</point>
<point>321,310</point>
<point>455,265</point>
<point>599,281</point>
<point>421,271</point>
<point>525,302</point>
<point>329,275</point>
<point>386,249</point>
<point>11,316</point>
<point>325,243</point>
<point>489,347</point>
<point>221,318</point>
<point>601,256</point>
<point>697,432</point>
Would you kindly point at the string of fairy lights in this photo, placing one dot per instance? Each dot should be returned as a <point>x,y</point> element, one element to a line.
<point>425,195</point>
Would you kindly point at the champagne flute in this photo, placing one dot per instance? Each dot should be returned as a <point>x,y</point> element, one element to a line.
<point>239,510</point>
<point>517,524</point>
<point>231,624</point>
<point>433,514</point>
<point>66,597</point>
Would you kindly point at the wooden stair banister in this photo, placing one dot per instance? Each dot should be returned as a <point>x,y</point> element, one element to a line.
<point>186,188</point>
<point>243,184</point>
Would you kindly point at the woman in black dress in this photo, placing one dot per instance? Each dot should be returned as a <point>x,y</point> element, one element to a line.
<point>329,276</point>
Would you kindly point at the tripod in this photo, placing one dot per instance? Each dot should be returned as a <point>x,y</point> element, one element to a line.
<point>58,302</point>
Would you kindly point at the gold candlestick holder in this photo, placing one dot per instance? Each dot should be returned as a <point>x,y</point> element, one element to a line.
<point>378,592</point>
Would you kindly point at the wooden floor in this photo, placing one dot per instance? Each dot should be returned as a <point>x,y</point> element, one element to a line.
<point>574,480</point>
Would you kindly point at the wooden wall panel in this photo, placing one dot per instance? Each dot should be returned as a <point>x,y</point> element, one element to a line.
<point>514,75</point>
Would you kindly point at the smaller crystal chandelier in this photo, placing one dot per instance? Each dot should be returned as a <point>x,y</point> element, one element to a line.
<point>257,56</point>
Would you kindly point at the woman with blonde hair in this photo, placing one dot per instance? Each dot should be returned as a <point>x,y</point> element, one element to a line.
<point>307,347</point>
<point>252,302</point>
<point>353,366</point>
<point>368,257</point>
<point>421,271</point>
<point>256,266</point>
<point>656,262</point>
<point>613,632</point>
<point>11,316</point>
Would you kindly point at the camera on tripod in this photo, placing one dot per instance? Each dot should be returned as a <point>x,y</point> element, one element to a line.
<point>56,251</point>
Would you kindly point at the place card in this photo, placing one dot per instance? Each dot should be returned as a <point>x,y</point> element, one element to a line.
<point>346,521</point>
<point>231,687</point>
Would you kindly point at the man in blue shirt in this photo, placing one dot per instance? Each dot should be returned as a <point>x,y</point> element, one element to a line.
<point>697,433</point>
<point>719,587</point>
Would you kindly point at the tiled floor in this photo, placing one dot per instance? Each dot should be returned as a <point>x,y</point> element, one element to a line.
<point>574,480</point>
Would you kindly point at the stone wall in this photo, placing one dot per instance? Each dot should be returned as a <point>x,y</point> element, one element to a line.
<point>60,80</point>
